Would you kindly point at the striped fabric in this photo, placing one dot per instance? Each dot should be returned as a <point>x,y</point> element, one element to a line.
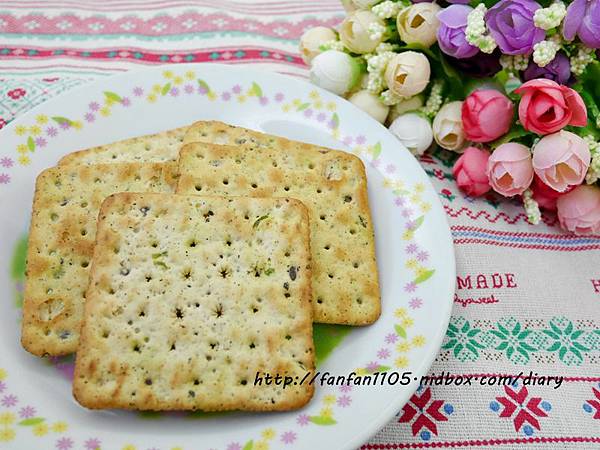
<point>527,298</point>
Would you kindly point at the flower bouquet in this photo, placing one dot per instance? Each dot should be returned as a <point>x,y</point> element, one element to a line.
<point>513,86</point>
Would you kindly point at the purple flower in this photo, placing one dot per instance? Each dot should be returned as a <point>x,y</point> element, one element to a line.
<point>321,117</point>
<point>51,131</point>
<point>4,178</point>
<point>410,287</point>
<point>6,162</point>
<point>40,142</point>
<point>415,302</point>
<point>92,444</point>
<point>89,117</point>
<point>302,420</point>
<point>226,96</point>
<point>559,70</point>
<point>407,212</point>
<point>2,386</point>
<point>65,125</point>
<point>511,25</point>
<point>422,256</point>
<point>346,388</point>
<point>344,401</point>
<point>9,400</point>
<point>383,353</point>
<point>451,33</point>
<point>288,437</point>
<point>279,97</point>
<point>390,168</point>
<point>308,112</point>
<point>399,201</point>
<point>234,446</point>
<point>188,88</point>
<point>331,124</point>
<point>94,106</point>
<point>202,90</point>
<point>236,89</point>
<point>372,366</point>
<point>125,101</point>
<point>360,140</point>
<point>64,443</point>
<point>138,91</point>
<point>411,248</point>
<point>174,92</point>
<point>391,338</point>
<point>27,412</point>
<point>263,101</point>
<point>583,20</point>
<point>410,225</point>
<point>481,65</point>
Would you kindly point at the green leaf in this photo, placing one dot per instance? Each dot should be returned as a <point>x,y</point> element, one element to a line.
<point>376,150</point>
<point>420,48</point>
<point>60,120</point>
<point>400,331</point>
<point>327,337</point>
<point>322,420</point>
<point>418,222</point>
<point>302,107</point>
<point>516,132</point>
<point>424,276</point>
<point>166,88</point>
<point>249,445</point>
<point>31,422</point>
<point>336,120</point>
<point>381,369</point>
<point>256,90</point>
<point>31,144</point>
<point>204,85</point>
<point>112,96</point>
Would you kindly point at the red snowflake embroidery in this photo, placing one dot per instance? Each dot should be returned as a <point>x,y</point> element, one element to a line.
<point>422,413</point>
<point>523,412</point>
<point>17,93</point>
<point>593,403</point>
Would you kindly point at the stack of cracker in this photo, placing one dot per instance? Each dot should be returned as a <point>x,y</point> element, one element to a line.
<point>181,264</point>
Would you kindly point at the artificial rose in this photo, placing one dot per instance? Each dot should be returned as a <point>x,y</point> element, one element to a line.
<point>354,32</point>
<point>509,169</point>
<point>583,20</point>
<point>511,25</point>
<point>418,24</point>
<point>547,106</point>
<point>404,106</point>
<point>414,131</point>
<point>469,172</point>
<point>486,115</point>
<point>545,196</point>
<point>559,70</point>
<point>313,39</point>
<point>447,127</point>
<point>335,71</point>
<point>370,104</point>
<point>579,210</point>
<point>561,160</point>
<point>451,33</point>
<point>407,73</point>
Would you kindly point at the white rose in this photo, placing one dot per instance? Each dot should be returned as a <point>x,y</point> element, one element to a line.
<point>418,24</point>
<point>312,39</point>
<point>447,127</point>
<point>354,32</point>
<point>370,103</point>
<point>335,71</point>
<point>407,73</point>
<point>414,131</point>
<point>410,104</point>
<point>365,4</point>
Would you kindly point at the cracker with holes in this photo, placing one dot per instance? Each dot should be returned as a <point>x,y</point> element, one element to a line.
<point>190,297</point>
<point>61,242</point>
<point>159,147</point>
<point>333,186</point>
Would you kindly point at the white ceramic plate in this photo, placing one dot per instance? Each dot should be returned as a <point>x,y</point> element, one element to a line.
<point>414,252</point>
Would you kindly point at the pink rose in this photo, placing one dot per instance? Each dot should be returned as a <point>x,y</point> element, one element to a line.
<point>469,172</point>
<point>561,160</point>
<point>486,115</point>
<point>579,210</point>
<point>509,169</point>
<point>547,106</point>
<point>545,196</point>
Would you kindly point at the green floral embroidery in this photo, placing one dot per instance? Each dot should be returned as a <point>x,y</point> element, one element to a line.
<point>464,341</point>
<point>564,339</point>
<point>509,337</point>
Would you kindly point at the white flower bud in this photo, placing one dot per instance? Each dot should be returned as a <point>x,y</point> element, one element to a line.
<point>414,131</point>
<point>418,24</point>
<point>313,39</point>
<point>335,71</point>
<point>370,103</point>
<point>407,74</point>
<point>365,4</point>
<point>404,106</point>
<point>355,31</point>
<point>447,127</point>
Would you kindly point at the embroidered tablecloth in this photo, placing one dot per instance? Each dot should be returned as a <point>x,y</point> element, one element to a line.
<point>527,302</point>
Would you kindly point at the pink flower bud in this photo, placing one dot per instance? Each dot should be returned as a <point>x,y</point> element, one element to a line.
<point>469,172</point>
<point>579,210</point>
<point>509,169</point>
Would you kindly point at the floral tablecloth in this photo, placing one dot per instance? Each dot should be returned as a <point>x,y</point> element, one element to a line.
<point>527,302</point>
